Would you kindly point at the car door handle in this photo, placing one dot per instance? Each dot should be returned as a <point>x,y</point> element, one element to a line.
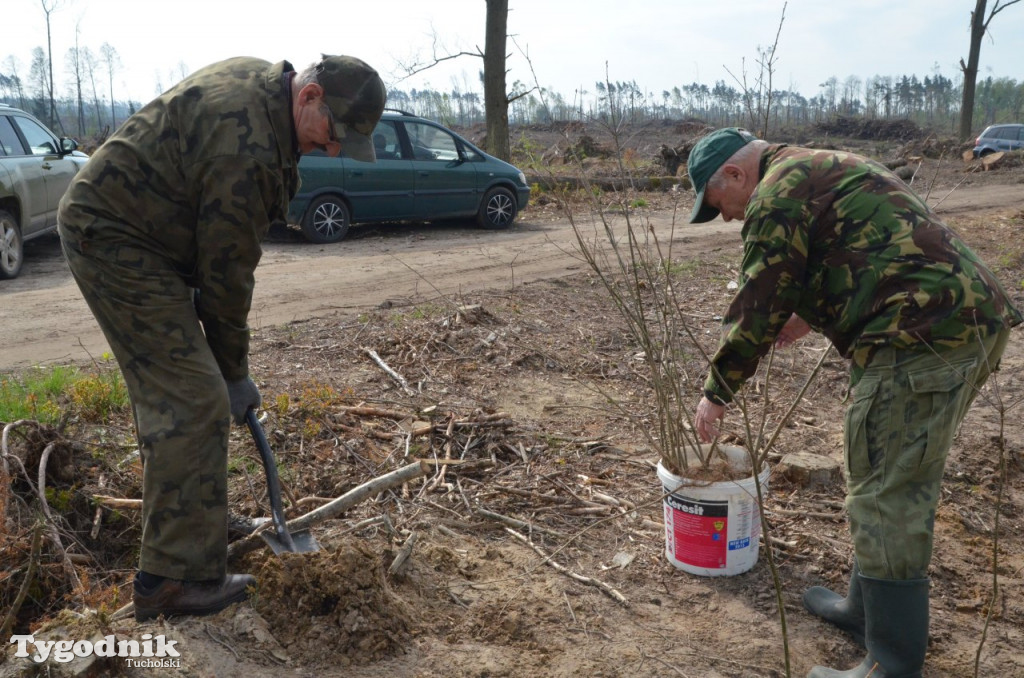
<point>357,173</point>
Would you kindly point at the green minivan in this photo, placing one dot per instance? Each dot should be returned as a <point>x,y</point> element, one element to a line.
<point>423,172</point>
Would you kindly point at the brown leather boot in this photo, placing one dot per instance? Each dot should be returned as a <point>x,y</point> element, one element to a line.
<point>172,597</point>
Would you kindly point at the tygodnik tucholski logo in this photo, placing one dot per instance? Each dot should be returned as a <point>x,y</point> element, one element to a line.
<point>150,652</point>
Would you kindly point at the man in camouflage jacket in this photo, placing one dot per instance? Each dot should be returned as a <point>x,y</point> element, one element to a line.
<point>162,232</point>
<point>836,243</point>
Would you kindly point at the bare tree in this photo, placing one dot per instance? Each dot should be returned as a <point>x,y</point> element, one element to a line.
<point>496,97</point>
<point>37,80</point>
<point>496,100</point>
<point>757,96</point>
<point>13,83</point>
<point>49,6</point>
<point>89,63</point>
<point>76,68</point>
<point>112,62</point>
<point>979,26</point>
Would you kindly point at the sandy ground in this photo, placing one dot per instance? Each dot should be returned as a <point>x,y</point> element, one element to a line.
<point>43,318</point>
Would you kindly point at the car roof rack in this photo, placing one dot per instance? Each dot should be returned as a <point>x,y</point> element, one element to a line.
<point>399,110</point>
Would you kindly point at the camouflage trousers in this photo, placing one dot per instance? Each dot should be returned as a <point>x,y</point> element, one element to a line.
<point>179,400</point>
<point>899,428</point>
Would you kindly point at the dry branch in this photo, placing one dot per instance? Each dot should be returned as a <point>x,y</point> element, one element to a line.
<point>371,488</point>
<point>5,469</point>
<point>390,372</point>
<point>403,555</point>
<point>521,524</point>
<point>364,411</point>
<point>589,581</point>
<point>496,419</point>
<point>69,567</point>
<point>98,515</point>
<point>33,557</point>
<point>118,503</point>
<point>439,478</point>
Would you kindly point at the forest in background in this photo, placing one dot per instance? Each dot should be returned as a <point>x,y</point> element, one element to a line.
<point>86,105</point>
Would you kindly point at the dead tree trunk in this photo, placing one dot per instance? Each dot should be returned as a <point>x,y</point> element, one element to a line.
<point>495,94</point>
<point>979,24</point>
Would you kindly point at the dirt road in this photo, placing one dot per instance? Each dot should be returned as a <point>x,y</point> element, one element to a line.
<point>43,318</point>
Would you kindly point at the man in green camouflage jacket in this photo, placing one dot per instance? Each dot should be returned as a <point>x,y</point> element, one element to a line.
<point>836,243</point>
<point>162,232</point>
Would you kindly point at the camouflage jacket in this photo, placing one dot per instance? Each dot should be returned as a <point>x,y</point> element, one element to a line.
<point>196,177</point>
<point>847,246</point>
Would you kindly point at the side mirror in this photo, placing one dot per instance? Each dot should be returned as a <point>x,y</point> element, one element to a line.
<point>67,145</point>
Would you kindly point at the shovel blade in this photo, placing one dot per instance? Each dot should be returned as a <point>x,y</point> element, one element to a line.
<point>304,542</point>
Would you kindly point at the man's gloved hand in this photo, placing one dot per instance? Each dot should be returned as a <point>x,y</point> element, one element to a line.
<point>242,395</point>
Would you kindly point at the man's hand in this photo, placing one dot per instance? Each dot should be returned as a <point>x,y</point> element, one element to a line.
<point>794,329</point>
<point>705,421</point>
<point>242,395</point>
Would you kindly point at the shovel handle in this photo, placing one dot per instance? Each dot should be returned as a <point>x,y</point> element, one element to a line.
<point>273,482</point>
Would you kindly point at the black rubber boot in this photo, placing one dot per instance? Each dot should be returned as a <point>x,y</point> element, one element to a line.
<point>896,630</point>
<point>846,613</point>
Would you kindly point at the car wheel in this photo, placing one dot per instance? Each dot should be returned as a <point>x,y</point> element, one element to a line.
<point>12,248</point>
<point>984,152</point>
<point>326,220</point>
<point>498,209</point>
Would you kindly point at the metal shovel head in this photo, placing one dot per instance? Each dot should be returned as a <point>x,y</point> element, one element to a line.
<point>301,542</point>
<point>279,539</point>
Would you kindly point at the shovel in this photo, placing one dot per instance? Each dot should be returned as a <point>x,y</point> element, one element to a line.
<point>280,540</point>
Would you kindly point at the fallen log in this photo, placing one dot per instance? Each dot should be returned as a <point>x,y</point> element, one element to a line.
<point>992,160</point>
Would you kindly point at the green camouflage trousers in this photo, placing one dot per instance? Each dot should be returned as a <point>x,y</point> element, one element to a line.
<point>899,428</point>
<point>179,399</point>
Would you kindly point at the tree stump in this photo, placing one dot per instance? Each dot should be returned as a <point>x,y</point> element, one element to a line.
<point>809,470</point>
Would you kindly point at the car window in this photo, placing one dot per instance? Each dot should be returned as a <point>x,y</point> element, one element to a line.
<point>385,141</point>
<point>431,143</point>
<point>39,140</point>
<point>1006,133</point>
<point>10,144</point>
<point>471,154</point>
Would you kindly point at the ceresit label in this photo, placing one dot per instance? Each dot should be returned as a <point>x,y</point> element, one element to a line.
<point>697,531</point>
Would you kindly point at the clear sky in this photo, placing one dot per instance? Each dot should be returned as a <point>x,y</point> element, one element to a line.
<point>572,44</point>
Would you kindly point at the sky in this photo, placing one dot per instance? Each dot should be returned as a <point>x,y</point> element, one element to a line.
<point>564,45</point>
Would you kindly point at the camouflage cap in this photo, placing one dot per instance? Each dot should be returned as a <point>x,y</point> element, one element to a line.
<point>355,94</point>
<point>707,156</point>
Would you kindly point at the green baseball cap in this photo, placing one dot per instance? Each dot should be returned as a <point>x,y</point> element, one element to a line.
<point>707,156</point>
<point>356,95</point>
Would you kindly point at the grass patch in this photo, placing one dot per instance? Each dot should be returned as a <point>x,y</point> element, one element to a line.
<point>43,393</point>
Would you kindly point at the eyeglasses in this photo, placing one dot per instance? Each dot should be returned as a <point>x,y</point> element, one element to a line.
<point>333,145</point>
<point>326,110</point>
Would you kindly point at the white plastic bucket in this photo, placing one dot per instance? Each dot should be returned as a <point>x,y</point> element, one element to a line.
<point>713,529</point>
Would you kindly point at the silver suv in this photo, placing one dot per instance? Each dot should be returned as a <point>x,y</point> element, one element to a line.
<point>999,138</point>
<point>35,169</point>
